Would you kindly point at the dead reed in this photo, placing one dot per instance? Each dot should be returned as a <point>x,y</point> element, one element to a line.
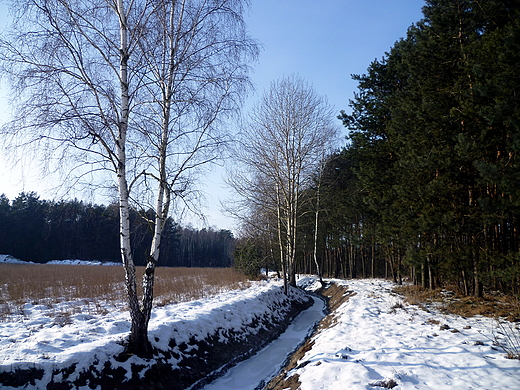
<point>98,285</point>
<point>186,284</point>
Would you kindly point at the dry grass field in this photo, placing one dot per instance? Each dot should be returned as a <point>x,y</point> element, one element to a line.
<point>490,305</point>
<point>51,284</point>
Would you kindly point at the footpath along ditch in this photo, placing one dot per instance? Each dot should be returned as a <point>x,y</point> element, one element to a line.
<point>267,368</point>
<point>372,339</point>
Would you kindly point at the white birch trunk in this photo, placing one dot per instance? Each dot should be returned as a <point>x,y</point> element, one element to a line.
<point>161,214</point>
<point>138,340</point>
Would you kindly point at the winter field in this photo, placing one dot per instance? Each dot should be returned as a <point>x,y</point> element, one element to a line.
<point>372,340</point>
<point>99,287</point>
<point>41,330</point>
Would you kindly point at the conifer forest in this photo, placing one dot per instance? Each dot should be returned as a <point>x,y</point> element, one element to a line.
<point>37,230</point>
<point>427,187</point>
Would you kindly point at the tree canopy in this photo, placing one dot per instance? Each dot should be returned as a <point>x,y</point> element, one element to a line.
<point>427,185</point>
<point>434,146</point>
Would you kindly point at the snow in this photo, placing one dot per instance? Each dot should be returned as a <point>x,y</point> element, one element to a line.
<point>375,341</point>
<point>249,374</point>
<point>72,332</point>
<point>375,338</point>
<point>8,259</point>
<point>81,262</point>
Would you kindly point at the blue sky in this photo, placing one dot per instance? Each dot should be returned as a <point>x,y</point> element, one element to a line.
<point>326,41</point>
<point>323,41</point>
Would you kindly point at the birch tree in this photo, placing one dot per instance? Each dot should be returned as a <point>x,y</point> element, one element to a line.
<point>69,65</point>
<point>132,88</point>
<point>286,137</point>
<point>195,76</point>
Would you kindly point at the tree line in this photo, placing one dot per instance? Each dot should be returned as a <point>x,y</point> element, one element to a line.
<point>38,230</point>
<point>427,186</point>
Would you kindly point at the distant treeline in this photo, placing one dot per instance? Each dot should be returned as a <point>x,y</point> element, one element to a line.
<point>39,230</point>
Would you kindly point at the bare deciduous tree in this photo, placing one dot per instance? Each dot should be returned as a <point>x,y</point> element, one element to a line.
<point>195,76</point>
<point>136,88</point>
<point>288,133</point>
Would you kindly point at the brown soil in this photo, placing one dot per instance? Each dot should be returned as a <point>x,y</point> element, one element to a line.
<point>335,295</point>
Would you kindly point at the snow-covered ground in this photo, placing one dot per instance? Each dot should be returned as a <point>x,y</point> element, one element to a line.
<point>43,337</point>
<point>264,365</point>
<point>375,340</point>
<point>378,341</point>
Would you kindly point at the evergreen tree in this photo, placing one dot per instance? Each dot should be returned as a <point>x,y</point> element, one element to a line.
<point>434,138</point>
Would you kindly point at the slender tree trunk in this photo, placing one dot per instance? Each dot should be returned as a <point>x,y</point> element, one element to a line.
<point>353,261</point>
<point>162,208</point>
<point>390,261</point>
<point>431,276</point>
<point>138,339</point>
<point>164,192</point>
<point>316,223</point>
<point>291,251</point>
<point>283,260</point>
<point>399,268</point>
<point>363,265</point>
<point>478,288</point>
<point>465,283</point>
<point>315,252</point>
<point>373,260</point>
<point>424,266</point>
<point>292,221</point>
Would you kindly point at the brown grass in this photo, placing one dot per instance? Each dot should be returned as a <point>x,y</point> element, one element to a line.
<point>50,284</point>
<point>185,284</point>
<point>505,307</point>
<point>490,305</point>
<point>416,295</point>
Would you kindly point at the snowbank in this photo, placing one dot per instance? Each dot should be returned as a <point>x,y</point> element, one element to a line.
<point>378,341</point>
<point>257,370</point>
<point>8,259</point>
<point>81,262</point>
<point>44,346</point>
